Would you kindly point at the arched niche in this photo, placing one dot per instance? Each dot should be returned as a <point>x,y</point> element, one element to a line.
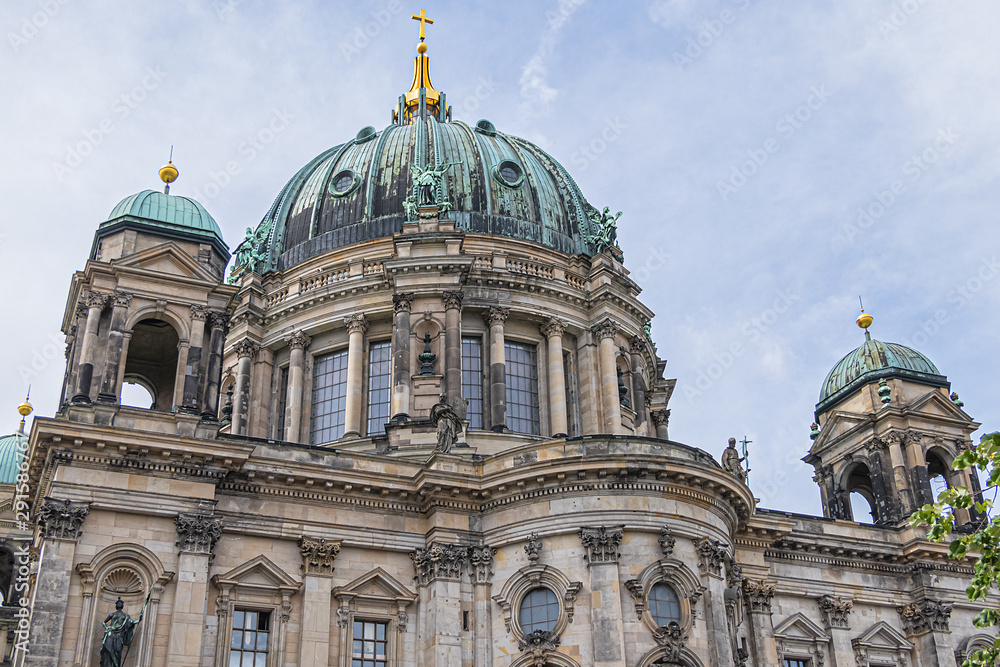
<point>131,572</point>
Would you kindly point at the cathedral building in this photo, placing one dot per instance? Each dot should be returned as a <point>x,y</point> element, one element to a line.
<point>422,422</point>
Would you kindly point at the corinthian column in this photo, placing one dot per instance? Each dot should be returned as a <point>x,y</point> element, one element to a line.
<point>197,535</point>
<point>495,318</point>
<point>246,350</point>
<point>116,340</point>
<point>401,304</point>
<point>356,327</point>
<point>192,368</point>
<point>758,594</point>
<point>636,346</point>
<point>216,342</point>
<point>553,331</point>
<point>605,332</point>
<point>453,345</point>
<point>293,394</point>
<point>95,304</point>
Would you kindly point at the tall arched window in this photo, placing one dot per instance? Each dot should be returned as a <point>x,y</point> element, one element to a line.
<point>862,495</point>
<point>152,362</point>
<point>937,471</point>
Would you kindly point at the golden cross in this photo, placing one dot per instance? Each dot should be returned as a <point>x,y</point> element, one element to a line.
<point>423,19</point>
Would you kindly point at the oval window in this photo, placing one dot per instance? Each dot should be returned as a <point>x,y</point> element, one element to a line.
<point>664,606</point>
<point>539,611</point>
<point>344,183</point>
<point>509,173</point>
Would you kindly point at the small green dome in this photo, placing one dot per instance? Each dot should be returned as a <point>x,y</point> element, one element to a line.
<point>872,361</point>
<point>12,450</point>
<point>168,211</point>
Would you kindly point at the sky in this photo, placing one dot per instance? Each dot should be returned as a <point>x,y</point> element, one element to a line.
<point>773,161</point>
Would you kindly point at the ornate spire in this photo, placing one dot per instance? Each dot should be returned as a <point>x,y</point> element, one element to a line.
<point>422,100</point>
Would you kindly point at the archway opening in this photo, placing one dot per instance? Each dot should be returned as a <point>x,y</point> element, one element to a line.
<point>862,495</point>
<point>937,471</point>
<point>152,362</point>
<point>137,393</point>
<point>6,575</point>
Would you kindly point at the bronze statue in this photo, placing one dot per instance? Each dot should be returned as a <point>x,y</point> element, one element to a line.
<point>732,461</point>
<point>119,629</point>
<point>427,179</point>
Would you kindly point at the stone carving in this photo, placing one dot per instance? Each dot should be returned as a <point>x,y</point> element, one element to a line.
<point>605,236</point>
<point>401,620</point>
<point>876,444</point>
<point>123,299</point>
<point>198,533</point>
<point>428,181</point>
<point>218,321</point>
<point>925,616</point>
<point>553,327</point>
<point>734,574</point>
<point>443,561</point>
<point>837,611</point>
<point>62,520</point>
<point>537,645</point>
<point>447,422</point>
<point>672,638</point>
<point>601,543</point>
<point>357,323</point>
<point>660,417</point>
<point>298,341</point>
<point>343,616</point>
<point>634,588</point>
<point>758,594</point>
<point>81,311</point>
<point>96,300</point>
<point>733,462</point>
<point>711,555</point>
<point>247,348</point>
<point>481,564</point>
<point>199,313</point>
<point>533,548</point>
<point>607,328</point>
<point>318,555</point>
<point>667,542</point>
<point>636,344</point>
<point>402,302</point>
<point>452,300</point>
<point>427,357</point>
<point>494,315</point>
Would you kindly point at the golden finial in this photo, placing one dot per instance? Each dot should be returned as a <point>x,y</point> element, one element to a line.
<point>422,17</point>
<point>864,319</point>
<point>168,172</point>
<point>25,409</point>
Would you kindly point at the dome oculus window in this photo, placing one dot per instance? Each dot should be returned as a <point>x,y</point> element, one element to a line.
<point>344,183</point>
<point>664,605</point>
<point>509,173</point>
<point>539,611</point>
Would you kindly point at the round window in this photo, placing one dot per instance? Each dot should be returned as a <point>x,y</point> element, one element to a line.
<point>539,611</point>
<point>344,183</point>
<point>509,173</point>
<point>664,606</point>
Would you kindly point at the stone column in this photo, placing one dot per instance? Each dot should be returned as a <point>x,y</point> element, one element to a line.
<point>453,345</point>
<point>758,595</point>
<point>637,344</point>
<point>401,304</point>
<point>95,302</point>
<point>116,338</point>
<point>926,623</point>
<point>605,332</point>
<point>438,574</point>
<point>217,340</point>
<point>197,535</point>
<point>711,555</point>
<point>192,367</point>
<point>920,482</point>
<point>74,341</point>
<point>897,460</point>
<point>297,344</point>
<point>481,574</point>
<point>837,612</point>
<point>61,525</point>
<point>661,419</point>
<point>317,599</point>
<point>495,318</point>
<point>588,377</point>
<point>885,501</point>
<point>356,327</point>
<point>246,349</point>
<point>553,331</point>
<point>606,619</point>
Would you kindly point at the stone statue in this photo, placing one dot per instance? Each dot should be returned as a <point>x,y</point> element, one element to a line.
<point>448,423</point>
<point>733,462</point>
<point>427,180</point>
<point>606,225</point>
<point>119,629</point>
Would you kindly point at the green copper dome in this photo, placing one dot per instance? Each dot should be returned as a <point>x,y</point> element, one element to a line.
<point>12,450</point>
<point>168,211</point>
<point>872,361</point>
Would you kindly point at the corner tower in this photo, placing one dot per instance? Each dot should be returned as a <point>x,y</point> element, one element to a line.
<point>887,430</point>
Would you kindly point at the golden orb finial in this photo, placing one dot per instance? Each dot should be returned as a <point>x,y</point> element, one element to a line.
<point>422,47</point>
<point>865,320</point>
<point>24,409</point>
<point>168,172</point>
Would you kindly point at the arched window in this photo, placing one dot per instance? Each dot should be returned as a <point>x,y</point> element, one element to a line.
<point>664,605</point>
<point>862,495</point>
<point>539,611</point>
<point>6,574</point>
<point>152,361</point>
<point>938,471</point>
<point>136,394</point>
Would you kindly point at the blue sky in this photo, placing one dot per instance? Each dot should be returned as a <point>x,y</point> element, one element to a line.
<point>773,161</point>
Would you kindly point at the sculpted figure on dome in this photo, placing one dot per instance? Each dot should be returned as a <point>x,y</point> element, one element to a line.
<point>427,180</point>
<point>606,235</point>
<point>733,462</point>
<point>248,254</point>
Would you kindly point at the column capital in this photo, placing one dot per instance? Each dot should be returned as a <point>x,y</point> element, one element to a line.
<point>453,300</point>
<point>553,327</point>
<point>218,320</point>
<point>711,554</point>
<point>402,302</point>
<point>660,417</point>
<point>81,310</point>
<point>607,328</point>
<point>438,561</point>
<point>601,543</point>
<point>298,341</point>
<point>758,594</point>
<point>199,313</point>
<point>247,348</point>
<point>358,323</point>
<point>637,344</point>
<point>481,564</point>
<point>62,520</point>
<point>318,555</point>
<point>837,611</point>
<point>94,299</point>
<point>495,315</point>
<point>198,533</point>
<point>122,299</point>
<point>925,616</point>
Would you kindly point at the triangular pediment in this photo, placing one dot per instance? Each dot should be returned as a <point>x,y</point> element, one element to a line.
<point>884,636</point>
<point>167,259</point>
<point>257,572</point>
<point>798,626</point>
<point>935,403</point>
<point>376,584</point>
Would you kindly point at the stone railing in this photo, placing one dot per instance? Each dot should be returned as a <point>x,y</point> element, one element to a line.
<point>323,279</point>
<point>372,268</point>
<point>528,268</point>
<point>576,281</point>
<point>274,299</point>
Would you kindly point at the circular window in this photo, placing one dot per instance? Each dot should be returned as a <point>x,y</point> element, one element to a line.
<point>509,173</point>
<point>539,611</point>
<point>664,606</point>
<point>486,127</point>
<point>344,183</point>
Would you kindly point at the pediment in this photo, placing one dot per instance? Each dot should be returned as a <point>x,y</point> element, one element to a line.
<point>934,403</point>
<point>884,636</point>
<point>376,584</point>
<point>259,573</point>
<point>167,259</point>
<point>800,627</point>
